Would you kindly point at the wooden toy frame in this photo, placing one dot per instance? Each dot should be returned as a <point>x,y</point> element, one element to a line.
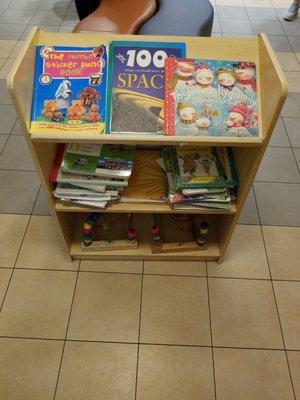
<point>248,152</point>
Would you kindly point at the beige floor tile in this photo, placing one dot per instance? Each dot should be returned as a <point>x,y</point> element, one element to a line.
<point>294,361</point>
<point>288,301</point>
<point>6,47</point>
<point>293,78</point>
<point>283,251</point>
<point>6,68</point>
<point>43,248</point>
<point>177,373</point>
<point>4,279</point>
<point>245,256</point>
<point>288,61</point>
<point>112,266</point>
<point>106,307</point>
<point>96,371</point>
<point>229,3</point>
<point>37,304</point>
<point>257,3</point>
<point>29,368</point>
<point>279,4</point>
<point>252,375</point>
<point>18,47</point>
<point>2,62</point>
<point>175,311</point>
<point>192,268</point>
<point>244,314</point>
<point>298,56</point>
<point>11,235</point>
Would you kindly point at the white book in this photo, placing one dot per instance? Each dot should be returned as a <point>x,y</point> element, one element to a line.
<point>84,198</point>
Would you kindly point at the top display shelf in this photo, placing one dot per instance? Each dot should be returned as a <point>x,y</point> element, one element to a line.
<point>271,84</point>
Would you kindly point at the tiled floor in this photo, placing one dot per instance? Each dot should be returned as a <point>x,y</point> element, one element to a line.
<point>152,330</point>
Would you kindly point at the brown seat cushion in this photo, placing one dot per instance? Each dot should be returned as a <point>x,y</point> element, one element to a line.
<point>118,16</point>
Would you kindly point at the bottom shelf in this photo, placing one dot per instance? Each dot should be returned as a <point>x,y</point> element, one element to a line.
<point>143,222</point>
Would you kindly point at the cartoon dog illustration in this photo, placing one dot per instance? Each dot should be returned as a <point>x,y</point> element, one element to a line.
<point>88,96</point>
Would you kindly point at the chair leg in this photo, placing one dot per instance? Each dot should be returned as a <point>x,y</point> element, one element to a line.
<point>86,7</point>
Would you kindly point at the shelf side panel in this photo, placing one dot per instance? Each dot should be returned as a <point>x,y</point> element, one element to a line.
<point>20,79</point>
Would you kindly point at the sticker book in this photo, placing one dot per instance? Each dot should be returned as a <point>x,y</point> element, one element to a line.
<point>136,82</point>
<point>69,92</point>
<point>210,98</point>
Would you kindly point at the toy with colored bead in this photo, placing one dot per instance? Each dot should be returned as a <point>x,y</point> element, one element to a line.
<point>201,231</point>
<point>131,233</point>
<point>88,228</point>
<point>156,238</point>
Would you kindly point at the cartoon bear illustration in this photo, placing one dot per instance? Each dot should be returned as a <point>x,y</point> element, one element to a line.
<point>93,115</point>
<point>76,110</point>
<point>51,110</point>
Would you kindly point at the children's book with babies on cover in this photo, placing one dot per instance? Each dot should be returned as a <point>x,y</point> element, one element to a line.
<point>69,92</point>
<point>210,98</point>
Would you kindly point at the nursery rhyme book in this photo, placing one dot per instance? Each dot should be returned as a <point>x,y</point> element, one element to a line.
<point>210,98</point>
<point>69,92</point>
<point>136,82</point>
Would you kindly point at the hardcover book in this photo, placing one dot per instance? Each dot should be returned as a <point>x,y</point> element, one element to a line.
<point>105,160</point>
<point>69,92</point>
<point>136,79</point>
<point>115,160</point>
<point>227,161</point>
<point>210,98</point>
<point>196,166</point>
<point>81,158</point>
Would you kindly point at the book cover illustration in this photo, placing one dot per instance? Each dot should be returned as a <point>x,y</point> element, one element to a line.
<point>210,98</point>
<point>81,158</point>
<point>69,92</point>
<point>136,78</point>
<point>106,160</point>
<point>197,166</point>
<point>227,161</point>
<point>115,160</point>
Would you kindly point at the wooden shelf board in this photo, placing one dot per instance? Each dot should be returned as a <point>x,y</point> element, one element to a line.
<point>159,140</point>
<point>143,252</point>
<point>139,208</point>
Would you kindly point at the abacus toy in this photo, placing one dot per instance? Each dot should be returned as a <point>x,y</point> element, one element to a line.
<point>199,229</point>
<point>101,222</point>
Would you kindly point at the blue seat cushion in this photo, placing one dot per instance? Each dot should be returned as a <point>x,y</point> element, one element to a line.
<point>180,17</point>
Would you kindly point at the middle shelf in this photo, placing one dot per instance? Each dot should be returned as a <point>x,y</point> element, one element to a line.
<point>141,208</point>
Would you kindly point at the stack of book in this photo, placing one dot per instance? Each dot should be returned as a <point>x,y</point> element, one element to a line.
<point>91,174</point>
<point>197,176</point>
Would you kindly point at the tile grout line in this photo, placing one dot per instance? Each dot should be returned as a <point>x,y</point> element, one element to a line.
<point>276,304</point>
<point>152,274</point>
<point>67,328</point>
<point>35,201</point>
<point>211,333</point>
<point>139,333</point>
<point>298,166</point>
<point>150,344</point>
<point>16,260</point>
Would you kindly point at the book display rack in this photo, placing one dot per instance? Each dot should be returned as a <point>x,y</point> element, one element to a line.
<point>247,151</point>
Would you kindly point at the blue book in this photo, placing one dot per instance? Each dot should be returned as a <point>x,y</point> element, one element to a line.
<point>69,92</point>
<point>136,82</point>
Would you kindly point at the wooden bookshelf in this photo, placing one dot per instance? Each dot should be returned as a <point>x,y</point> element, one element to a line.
<point>248,152</point>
